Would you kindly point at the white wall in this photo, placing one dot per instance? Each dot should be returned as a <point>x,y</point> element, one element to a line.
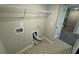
<point>15,42</point>
<point>51,21</point>
<point>76,28</point>
<point>73,16</point>
<point>2,48</point>
<point>73,20</point>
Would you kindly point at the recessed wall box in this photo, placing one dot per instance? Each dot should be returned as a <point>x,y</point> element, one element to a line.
<point>19,30</point>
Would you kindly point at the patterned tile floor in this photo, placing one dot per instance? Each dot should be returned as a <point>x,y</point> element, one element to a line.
<point>44,47</point>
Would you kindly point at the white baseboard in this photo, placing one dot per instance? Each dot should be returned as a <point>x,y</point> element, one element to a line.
<point>48,40</point>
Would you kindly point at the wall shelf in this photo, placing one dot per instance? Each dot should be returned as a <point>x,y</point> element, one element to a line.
<point>23,12</point>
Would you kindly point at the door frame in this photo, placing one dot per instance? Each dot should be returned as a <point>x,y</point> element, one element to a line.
<point>59,22</point>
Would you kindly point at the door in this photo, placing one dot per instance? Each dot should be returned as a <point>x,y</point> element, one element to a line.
<point>60,20</point>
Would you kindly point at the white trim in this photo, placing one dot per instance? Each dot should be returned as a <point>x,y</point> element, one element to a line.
<point>48,40</point>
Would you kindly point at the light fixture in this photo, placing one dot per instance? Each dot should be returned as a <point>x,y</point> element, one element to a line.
<point>76,8</point>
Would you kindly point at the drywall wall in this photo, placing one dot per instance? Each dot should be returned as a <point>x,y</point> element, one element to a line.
<point>73,17</point>
<point>15,42</point>
<point>2,47</point>
<point>51,21</point>
<point>76,28</point>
